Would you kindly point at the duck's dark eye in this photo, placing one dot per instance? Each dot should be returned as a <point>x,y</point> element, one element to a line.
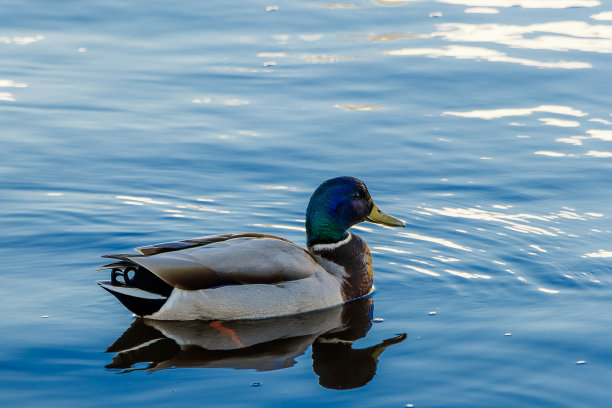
<point>356,196</point>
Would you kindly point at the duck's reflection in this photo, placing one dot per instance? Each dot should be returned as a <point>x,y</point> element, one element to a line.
<point>267,344</point>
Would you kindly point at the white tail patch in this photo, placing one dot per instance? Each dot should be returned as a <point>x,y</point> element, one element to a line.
<point>134,292</point>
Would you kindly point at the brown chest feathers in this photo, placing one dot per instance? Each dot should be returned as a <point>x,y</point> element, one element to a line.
<point>353,257</point>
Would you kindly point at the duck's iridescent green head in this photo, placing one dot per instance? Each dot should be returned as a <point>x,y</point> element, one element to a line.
<point>338,204</point>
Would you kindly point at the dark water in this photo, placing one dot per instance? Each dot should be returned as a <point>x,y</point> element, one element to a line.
<point>489,131</point>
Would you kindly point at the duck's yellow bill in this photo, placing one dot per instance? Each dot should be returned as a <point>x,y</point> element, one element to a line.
<point>377,216</point>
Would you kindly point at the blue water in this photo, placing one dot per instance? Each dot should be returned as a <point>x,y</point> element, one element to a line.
<point>489,131</point>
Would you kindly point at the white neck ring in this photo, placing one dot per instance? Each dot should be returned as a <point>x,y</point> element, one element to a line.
<point>333,245</point>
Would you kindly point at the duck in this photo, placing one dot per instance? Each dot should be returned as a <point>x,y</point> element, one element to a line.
<point>254,275</point>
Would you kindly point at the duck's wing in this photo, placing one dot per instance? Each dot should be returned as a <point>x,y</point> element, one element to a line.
<point>200,241</point>
<point>215,260</point>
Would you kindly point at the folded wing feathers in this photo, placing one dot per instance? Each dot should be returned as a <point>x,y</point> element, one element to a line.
<point>223,259</point>
<point>200,241</point>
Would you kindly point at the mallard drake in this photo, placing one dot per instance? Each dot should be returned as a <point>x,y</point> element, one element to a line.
<point>251,275</point>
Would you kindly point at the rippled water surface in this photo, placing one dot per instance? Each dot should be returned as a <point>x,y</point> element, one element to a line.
<point>485,124</point>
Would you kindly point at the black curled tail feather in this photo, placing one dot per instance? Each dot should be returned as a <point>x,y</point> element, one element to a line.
<point>137,288</point>
<point>131,275</point>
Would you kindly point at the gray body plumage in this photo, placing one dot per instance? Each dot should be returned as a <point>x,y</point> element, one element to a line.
<point>215,277</point>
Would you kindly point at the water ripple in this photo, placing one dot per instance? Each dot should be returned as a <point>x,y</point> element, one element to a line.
<point>545,4</point>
